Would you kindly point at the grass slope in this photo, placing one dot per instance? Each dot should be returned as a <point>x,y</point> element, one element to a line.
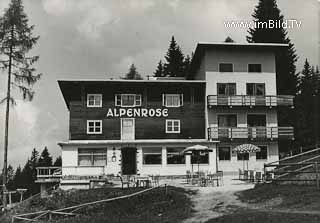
<point>153,206</point>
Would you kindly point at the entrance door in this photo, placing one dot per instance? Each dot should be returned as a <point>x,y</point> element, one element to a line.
<point>127,128</point>
<point>129,161</point>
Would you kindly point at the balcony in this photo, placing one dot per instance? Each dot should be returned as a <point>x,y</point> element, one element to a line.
<point>250,101</point>
<point>48,174</point>
<point>251,133</point>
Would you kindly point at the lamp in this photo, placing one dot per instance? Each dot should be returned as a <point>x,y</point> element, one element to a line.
<point>114,158</point>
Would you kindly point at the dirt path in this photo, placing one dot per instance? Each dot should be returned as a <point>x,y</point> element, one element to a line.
<point>212,202</point>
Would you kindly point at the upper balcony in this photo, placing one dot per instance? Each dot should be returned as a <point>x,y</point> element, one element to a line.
<point>250,101</point>
<point>252,133</point>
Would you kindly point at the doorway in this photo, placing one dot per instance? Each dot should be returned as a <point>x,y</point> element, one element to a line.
<point>129,161</point>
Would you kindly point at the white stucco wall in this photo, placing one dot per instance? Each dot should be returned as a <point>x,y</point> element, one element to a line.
<point>234,165</point>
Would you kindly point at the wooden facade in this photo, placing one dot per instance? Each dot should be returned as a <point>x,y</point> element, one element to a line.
<point>191,114</point>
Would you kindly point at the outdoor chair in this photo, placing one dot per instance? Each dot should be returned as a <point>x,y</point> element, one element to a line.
<point>251,175</point>
<point>241,174</point>
<point>155,180</point>
<point>188,176</point>
<point>246,175</point>
<point>220,177</point>
<point>258,177</point>
<point>126,180</point>
<point>212,179</point>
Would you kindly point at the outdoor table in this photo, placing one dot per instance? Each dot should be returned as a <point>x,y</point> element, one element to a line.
<point>142,181</point>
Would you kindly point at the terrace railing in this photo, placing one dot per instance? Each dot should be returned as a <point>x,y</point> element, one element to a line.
<point>250,101</point>
<point>253,133</point>
<point>51,172</point>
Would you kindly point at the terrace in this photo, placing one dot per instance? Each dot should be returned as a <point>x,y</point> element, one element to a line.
<point>250,101</point>
<point>253,133</point>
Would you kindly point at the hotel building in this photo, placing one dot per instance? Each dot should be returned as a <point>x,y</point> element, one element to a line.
<point>142,126</point>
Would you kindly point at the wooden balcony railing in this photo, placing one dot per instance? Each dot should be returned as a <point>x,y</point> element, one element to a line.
<point>250,101</point>
<point>253,133</point>
<point>48,172</point>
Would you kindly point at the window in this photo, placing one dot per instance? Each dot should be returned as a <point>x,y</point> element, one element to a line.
<point>254,68</point>
<point>92,157</point>
<point>152,155</point>
<point>175,155</point>
<point>172,126</point>
<point>94,100</point>
<point>200,157</point>
<point>263,154</point>
<point>256,120</point>
<point>256,89</point>
<point>227,120</point>
<point>94,126</point>
<point>226,89</point>
<point>243,156</point>
<point>224,153</point>
<point>128,100</point>
<point>172,100</point>
<point>225,67</point>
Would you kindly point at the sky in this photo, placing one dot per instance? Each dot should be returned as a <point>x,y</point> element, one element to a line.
<point>102,38</point>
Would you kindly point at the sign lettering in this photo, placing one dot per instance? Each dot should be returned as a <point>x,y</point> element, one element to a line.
<point>137,112</point>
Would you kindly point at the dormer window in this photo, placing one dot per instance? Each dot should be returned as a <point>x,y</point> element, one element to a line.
<point>128,100</point>
<point>94,100</point>
<point>172,100</point>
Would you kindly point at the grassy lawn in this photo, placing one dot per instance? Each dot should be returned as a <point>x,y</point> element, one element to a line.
<point>246,216</point>
<point>153,206</point>
<point>279,197</point>
<point>292,196</point>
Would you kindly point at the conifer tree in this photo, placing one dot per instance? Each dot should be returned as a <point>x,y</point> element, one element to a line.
<point>160,70</point>
<point>133,74</point>
<point>187,65</point>
<point>229,40</point>
<point>16,40</point>
<point>285,60</point>
<point>174,66</point>
<point>45,159</point>
<point>58,161</point>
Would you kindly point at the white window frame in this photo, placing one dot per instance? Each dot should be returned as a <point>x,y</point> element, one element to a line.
<point>164,100</point>
<point>94,105</point>
<point>137,97</point>
<point>94,126</point>
<point>173,121</point>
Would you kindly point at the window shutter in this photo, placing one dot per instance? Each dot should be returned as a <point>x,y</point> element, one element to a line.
<point>138,99</point>
<point>181,99</point>
<point>117,99</point>
<point>163,100</point>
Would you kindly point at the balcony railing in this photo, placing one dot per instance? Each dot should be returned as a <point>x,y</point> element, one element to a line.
<point>253,133</point>
<point>250,101</point>
<point>48,173</point>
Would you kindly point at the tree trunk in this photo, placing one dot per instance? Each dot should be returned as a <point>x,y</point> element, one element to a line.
<point>6,133</point>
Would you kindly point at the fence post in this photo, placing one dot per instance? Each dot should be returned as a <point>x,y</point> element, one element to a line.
<point>317,176</point>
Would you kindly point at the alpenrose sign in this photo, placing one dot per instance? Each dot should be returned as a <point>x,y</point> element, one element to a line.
<point>137,112</point>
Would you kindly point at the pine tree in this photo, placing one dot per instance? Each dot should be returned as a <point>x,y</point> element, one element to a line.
<point>306,106</point>
<point>45,159</point>
<point>187,66</point>
<point>174,66</point>
<point>58,161</point>
<point>160,70</point>
<point>16,40</point>
<point>18,178</point>
<point>133,74</point>
<point>229,40</point>
<point>285,61</point>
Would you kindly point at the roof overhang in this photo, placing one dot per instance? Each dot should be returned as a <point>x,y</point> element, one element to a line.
<point>135,142</point>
